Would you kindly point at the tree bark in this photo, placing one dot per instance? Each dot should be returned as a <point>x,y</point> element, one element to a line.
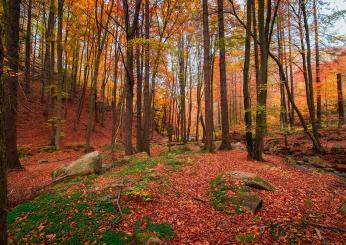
<point>147,98</point>
<point>3,159</point>
<point>12,13</point>
<point>207,80</point>
<point>246,81</point>
<point>28,48</point>
<point>225,143</point>
<point>340,101</point>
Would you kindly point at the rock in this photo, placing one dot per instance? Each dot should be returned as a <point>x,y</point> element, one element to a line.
<point>155,241</point>
<point>241,175</point>
<point>239,146</point>
<point>42,161</point>
<point>259,183</point>
<point>87,164</point>
<point>337,149</point>
<point>248,200</point>
<point>343,208</point>
<point>251,180</point>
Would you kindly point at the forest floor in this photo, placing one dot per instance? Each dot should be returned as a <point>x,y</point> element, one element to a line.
<point>180,195</point>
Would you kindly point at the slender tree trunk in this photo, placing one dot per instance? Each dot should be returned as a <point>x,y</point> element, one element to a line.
<point>3,159</point>
<point>147,98</point>
<point>225,143</point>
<point>207,80</point>
<point>246,81</point>
<point>340,101</point>
<point>60,74</point>
<point>27,73</point>
<point>12,13</point>
<point>317,58</point>
<point>292,118</point>
<point>310,83</point>
<point>139,135</point>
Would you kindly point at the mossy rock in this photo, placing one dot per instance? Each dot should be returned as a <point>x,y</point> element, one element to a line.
<point>248,200</point>
<point>251,180</point>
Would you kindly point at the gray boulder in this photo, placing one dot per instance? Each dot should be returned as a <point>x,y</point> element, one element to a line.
<point>248,200</point>
<point>86,165</point>
<point>251,180</point>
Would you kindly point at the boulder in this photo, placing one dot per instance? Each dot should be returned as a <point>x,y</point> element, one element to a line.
<point>248,200</point>
<point>337,149</point>
<point>343,208</point>
<point>239,146</point>
<point>86,165</point>
<point>251,180</point>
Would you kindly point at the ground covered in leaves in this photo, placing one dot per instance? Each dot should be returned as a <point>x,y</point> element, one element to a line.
<point>179,196</point>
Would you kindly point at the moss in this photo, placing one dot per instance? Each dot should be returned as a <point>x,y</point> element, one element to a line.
<point>246,238</point>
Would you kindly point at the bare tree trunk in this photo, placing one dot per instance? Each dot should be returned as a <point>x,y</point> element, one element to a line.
<point>12,13</point>
<point>60,75</point>
<point>246,81</point>
<point>310,83</point>
<point>340,101</point>
<point>139,65</point>
<point>225,143</point>
<point>147,98</point>
<point>207,80</point>
<point>317,57</point>
<point>27,73</point>
<point>3,159</point>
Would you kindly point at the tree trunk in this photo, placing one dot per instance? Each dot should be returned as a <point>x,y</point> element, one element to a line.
<point>3,159</point>
<point>12,13</point>
<point>60,74</point>
<point>225,143</point>
<point>207,80</point>
<point>246,81</point>
<point>27,68</point>
<point>318,79</point>
<point>340,101</point>
<point>139,64</point>
<point>147,99</point>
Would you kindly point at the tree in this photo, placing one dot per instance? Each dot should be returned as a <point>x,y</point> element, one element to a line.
<point>28,49</point>
<point>147,98</point>
<point>225,144</point>
<point>340,101</point>
<point>60,73</point>
<point>11,16</point>
<point>3,159</point>
<point>130,32</point>
<point>207,80</point>
<point>246,81</point>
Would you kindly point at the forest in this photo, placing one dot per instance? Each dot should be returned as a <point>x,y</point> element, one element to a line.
<point>172,122</point>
